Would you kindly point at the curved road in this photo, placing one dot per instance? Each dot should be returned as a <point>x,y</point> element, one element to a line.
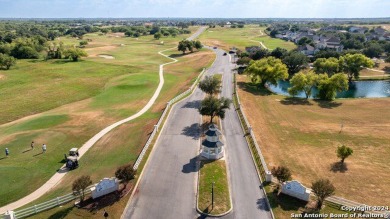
<point>167,188</point>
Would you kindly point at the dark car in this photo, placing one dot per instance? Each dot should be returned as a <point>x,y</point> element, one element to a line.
<point>231,52</point>
<point>215,47</point>
<point>224,54</point>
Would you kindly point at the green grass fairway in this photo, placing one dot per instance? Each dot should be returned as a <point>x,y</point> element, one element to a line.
<point>82,98</point>
<point>213,171</point>
<point>250,35</point>
<point>119,147</point>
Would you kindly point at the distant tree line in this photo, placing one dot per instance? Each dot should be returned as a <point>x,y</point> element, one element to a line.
<point>32,40</point>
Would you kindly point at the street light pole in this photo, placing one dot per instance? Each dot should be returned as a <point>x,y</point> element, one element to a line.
<point>212,195</point>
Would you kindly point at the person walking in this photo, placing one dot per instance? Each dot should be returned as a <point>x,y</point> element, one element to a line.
<point>6,152</point>
<point>32,145</point>
<point>44,148</point>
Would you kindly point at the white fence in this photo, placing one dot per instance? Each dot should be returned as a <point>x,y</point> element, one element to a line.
<point>166,110</point>
<point>25,212</point>
<point>250,132</point>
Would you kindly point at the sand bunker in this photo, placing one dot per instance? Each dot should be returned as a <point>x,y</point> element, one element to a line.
<point>2,77</point>
<point>107,56</point>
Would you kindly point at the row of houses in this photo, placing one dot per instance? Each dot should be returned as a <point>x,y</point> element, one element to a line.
<point>329,42</point>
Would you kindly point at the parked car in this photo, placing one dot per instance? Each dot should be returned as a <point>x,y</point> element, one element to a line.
<point>225,54</point>
<point>215,47</point>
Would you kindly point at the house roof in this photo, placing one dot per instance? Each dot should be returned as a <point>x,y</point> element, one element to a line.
<point>210,144</point>
<point>212,133</point>
<point>333,40</point>
<point>306,47</point>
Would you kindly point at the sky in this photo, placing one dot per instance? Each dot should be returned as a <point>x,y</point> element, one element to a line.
<point>194,8</point>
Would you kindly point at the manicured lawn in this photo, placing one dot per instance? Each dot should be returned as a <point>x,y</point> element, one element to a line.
<point>304,135</point>
<point>213,171</point>
<point>124,143</point>
<point>226,38</point>
<point>272,43</point>
<point>114,89</point>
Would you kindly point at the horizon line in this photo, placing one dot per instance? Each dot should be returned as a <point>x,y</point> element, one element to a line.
<point>194,18</point>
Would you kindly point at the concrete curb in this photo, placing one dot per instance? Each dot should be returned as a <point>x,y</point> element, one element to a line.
<point>227,175</point>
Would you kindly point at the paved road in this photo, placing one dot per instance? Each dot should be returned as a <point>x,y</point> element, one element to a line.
<point>248,199</point>
<point>167,188</point>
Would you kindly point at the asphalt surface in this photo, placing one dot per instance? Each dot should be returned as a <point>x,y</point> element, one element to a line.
<point>167,188</point>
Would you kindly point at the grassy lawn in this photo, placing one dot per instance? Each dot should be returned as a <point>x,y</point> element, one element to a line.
<point>368,74</point>
<point>213,171</point>
<point>119,147</point>
<point>304,135</point>
<point>118,88</point>
<point>250,35</point>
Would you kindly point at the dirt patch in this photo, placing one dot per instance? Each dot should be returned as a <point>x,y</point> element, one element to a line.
<point>106,56</point>
<point>217,43</point>
<point>305,136</point>
<point>2,77</point>
<point>97,51</point>
<point>116,34</point>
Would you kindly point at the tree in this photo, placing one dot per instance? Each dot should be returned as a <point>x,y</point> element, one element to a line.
<point>182,46</point>
<point>210,85</point>
<point>267,70</point>
<point>328,87</point>
<point>352,64</point>
<point>279,53</point>
<point>343,152</point>
<point>281,173</point>
<point>329,66</point>
<point>125,173</point>
<point>244,61</point>
<point>214,107</point>
<point>322,188</point>
<point>273,33</point>
<point>74,54</point>
<point>198,45</point>
<point>83,43</point>
<point>303,81</point>
<point>295,61</point>
<point>373,50</point>
<point>259,53</point>
<point>157,35</point>
<point>80,184</point>
<point>24,52</point>
<point>129,33</point>
<point>304,40</point>
<point>327,54</point>
<point>6,61</point>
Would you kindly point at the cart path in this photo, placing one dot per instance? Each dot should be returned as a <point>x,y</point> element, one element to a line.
<point>56,178</point>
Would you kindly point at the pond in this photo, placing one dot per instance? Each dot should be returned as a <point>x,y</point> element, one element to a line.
<point>357,89</point>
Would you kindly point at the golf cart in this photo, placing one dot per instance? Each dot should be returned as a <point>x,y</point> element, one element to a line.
<point>72,160</point>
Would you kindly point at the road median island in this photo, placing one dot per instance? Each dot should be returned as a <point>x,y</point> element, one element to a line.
<point>213,176</point>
